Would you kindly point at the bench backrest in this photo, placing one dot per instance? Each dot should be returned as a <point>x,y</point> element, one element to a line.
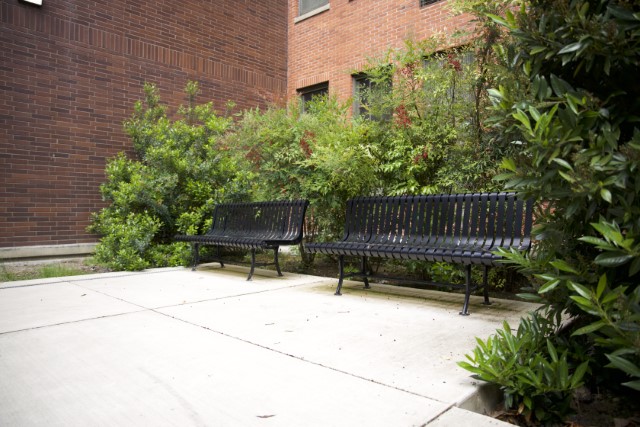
<point>276,221</point>
<point>480,219</point>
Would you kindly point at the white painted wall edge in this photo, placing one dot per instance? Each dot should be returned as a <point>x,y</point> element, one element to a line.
<point>44,251</point>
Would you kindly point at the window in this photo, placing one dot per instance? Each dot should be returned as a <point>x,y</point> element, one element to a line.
<point>306,6</point>
<point>453,60</point>
<point>369,97</point>
<point>308,93</point>
<point>427,2</point>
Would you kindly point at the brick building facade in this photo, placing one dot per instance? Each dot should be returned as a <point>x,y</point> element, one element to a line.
<point>70,72</point>
<point>329,43</point>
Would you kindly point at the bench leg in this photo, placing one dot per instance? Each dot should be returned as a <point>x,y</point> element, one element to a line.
<point>364,271</point>
<point>219,256</point>
<point>196,255</point>
<point>253,264</point>
<point>485,284</point>
<point>341,267</point>
<point>275,260</point>
<point>467,292</point>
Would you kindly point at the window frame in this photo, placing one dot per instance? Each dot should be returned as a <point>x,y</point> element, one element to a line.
<point>358,109</point>
<point>358,105</point>
<point>307,93</point>
<point>424,3</point>
<point>302,12</point>
<point>466,58</point>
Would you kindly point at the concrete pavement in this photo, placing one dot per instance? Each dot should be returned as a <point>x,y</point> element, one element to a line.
<point>207,348</point>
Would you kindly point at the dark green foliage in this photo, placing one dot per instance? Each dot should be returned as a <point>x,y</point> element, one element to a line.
<point>534,376</point>
<point>180,173</point>
<point>434,141</point>
<point>320,155</point>
<point>579,142</point>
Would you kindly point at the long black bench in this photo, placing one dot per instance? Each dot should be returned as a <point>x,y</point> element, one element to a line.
<point>454,228</point>
<point>253,226</point>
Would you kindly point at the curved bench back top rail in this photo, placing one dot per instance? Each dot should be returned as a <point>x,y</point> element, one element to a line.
<point>277,221</point>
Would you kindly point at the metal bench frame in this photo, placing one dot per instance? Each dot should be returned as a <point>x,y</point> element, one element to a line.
<point>253,226</point>
<point>455,228</point>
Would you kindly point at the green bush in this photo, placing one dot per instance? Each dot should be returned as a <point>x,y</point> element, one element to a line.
<point>537,380</point>
<point>433,141</point>
<point>182,169</point>
<point>576,123</point>
<point>319,155</point>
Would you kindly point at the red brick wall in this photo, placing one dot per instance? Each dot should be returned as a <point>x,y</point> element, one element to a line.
<point>328,46</point>
<point>71,70</point>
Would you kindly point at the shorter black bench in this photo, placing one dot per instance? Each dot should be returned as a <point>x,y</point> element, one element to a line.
<point>454,228</point>
<point>260,225</point>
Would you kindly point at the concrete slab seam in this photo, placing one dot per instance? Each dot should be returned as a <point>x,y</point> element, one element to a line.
<point>71,322</point>
<point>198,301</point>
<point>303,359</point>
<point>85,278</point>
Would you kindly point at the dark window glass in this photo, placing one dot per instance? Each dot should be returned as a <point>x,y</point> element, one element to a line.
<point>458,62</point>
<point>361,89</point>
<point>426,2</point>
<point>306,6</point>
<point>308,93</point>
<point>366,93</point>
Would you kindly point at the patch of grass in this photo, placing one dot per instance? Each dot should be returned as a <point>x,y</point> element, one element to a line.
<point>57,270</point>
<point>6,276</point>
<point>14,272</point>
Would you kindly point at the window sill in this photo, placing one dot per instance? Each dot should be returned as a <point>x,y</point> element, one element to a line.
<point>312,13</point>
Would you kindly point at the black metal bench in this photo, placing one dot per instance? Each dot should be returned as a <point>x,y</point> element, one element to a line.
<point>455,228</point>
<point>260,225</point>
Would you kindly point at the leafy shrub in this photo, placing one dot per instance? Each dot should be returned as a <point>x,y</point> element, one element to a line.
<point>537,380</point>
<point>126,239</point>
<point>576,126</point>
<point>432,143</point>
<point>181,171</point>
<point>581,154</point>
<point>319,155</point>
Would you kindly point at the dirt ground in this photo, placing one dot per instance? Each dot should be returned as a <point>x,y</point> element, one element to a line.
<point>26,270</point>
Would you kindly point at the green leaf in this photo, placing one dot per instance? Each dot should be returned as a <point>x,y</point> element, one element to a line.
<point>495,93</point>
<point>609,230</point>
<point>567,177</point>
<point>632,384</point>
<point>552,351</point>
<point>585,304</point>
<point>629,326</point>
<point>523,118</point>
<point>537,49</point>
<point>605,194</point>
<point>545,277</point>
<point>589,328</point>
<point>498,20</point>
<point>612,259</point>
<point>624,365</point>
<point>563,266</point>
<point>570,48</point>
<point>530,297</point>
<point>596,241</point>
<point>563,163</point>
<point>549,286</point>
<point>559,86</point>
<point>508,164</point>
<point>582,290</point>
<point>577,376</point>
